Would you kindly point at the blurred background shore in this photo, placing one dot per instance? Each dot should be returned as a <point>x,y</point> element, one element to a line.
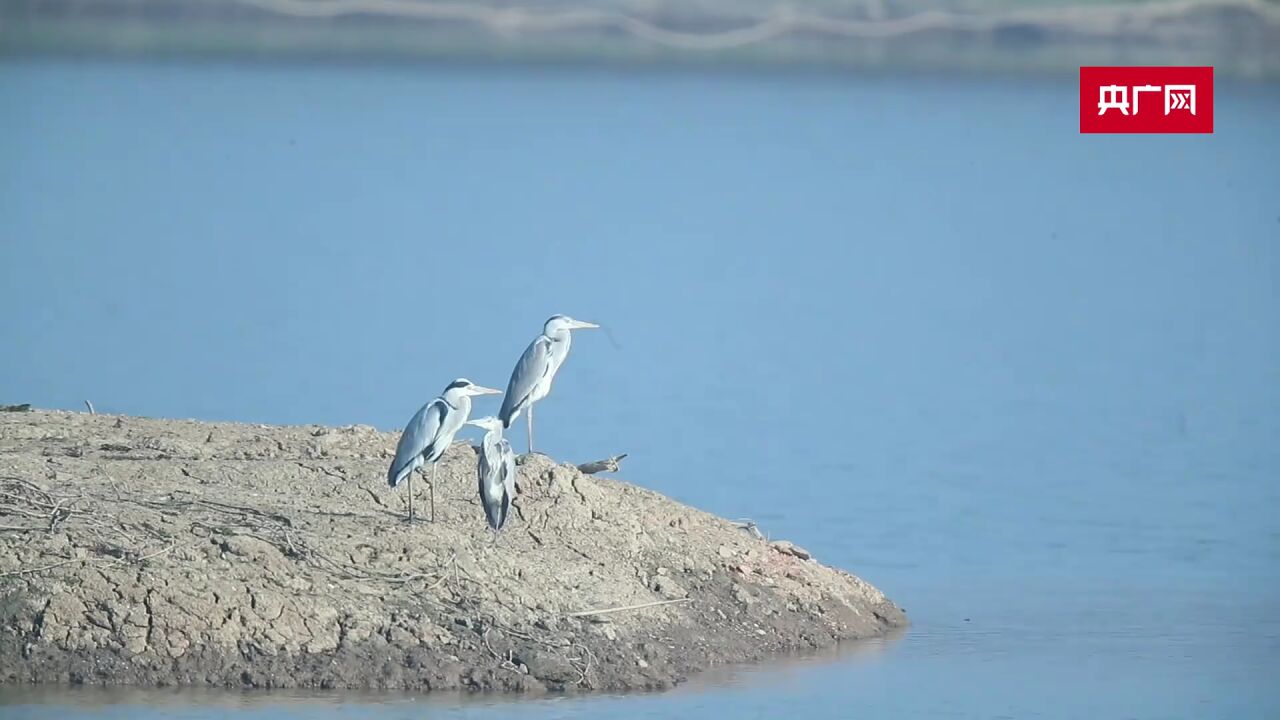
<point>1241,38</point>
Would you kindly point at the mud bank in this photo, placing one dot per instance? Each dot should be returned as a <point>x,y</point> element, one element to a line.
<point>163,552</point>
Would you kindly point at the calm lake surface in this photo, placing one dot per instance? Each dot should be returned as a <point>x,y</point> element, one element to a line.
<point>1025,381</point>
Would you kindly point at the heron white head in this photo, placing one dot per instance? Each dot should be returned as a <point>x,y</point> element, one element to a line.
<point>463,386</point>
<point>562,323</point>
<point>488,423</point>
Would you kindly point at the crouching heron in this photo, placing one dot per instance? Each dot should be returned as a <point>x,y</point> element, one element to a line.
<point>430,432</point>
<point>496,471</point>
<point>531,379</point>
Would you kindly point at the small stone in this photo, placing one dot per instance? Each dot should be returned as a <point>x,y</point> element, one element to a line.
<point>668,588</point>
<point>401,637</point>
<point>553,666</point>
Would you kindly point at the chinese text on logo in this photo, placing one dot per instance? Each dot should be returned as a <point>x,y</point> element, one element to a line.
<point>1146,99</point>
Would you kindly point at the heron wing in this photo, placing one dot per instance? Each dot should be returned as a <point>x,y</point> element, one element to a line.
<point>508,468</point>
<point>496,471</point>
<point>416,440</point>
<point>482,474</point>
<point>482,467</point>
<point>451,421</point>
<point>532,366</point>
<point>493,497</point>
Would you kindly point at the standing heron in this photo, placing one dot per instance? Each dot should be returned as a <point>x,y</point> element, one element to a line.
<point>496,471</point>
<point>531,379</point>
<point>429,434</point>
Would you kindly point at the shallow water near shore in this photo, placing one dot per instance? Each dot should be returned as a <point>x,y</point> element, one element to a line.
<point>1026,382</point>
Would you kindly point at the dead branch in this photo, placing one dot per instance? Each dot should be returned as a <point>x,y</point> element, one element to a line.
<point>6,509</point>
<point>141,558</point>
<point>586,658</point>
<point>606,465</point>
<point>326,471</point>
<point>622,608</point>
<point>42,568</point>
<point>750,526</point>
<point>505,662</point>
<point>31,501</point>
<point>26,483</point>
<point>172,503</point>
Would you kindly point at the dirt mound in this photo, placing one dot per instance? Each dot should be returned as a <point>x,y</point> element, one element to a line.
<point>163,552</point>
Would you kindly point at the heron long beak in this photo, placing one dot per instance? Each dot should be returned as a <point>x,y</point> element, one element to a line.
<point>482,390</point>
<point>582,324</point>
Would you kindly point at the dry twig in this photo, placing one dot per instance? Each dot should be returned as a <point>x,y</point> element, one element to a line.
<point>750,526</point>
<point>621,608</point>
<point>606,465</point>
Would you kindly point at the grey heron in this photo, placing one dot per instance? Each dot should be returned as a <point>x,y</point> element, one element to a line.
<point>531,379</point>
<point>496,471</point>
<point>430,432</point>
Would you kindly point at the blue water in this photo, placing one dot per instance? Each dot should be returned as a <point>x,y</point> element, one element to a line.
<point>1025,381</point>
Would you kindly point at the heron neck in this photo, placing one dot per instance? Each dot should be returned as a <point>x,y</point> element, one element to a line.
<point>560,343</point>
<point>461,403</point>
<point>491,439</point>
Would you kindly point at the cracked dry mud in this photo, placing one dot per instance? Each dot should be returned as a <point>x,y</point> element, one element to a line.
<point>162,552</point>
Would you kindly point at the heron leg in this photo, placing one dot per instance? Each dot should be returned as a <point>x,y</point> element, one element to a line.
<point>432,485</point>
<point>530,419</point>
<point>411,496</point>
